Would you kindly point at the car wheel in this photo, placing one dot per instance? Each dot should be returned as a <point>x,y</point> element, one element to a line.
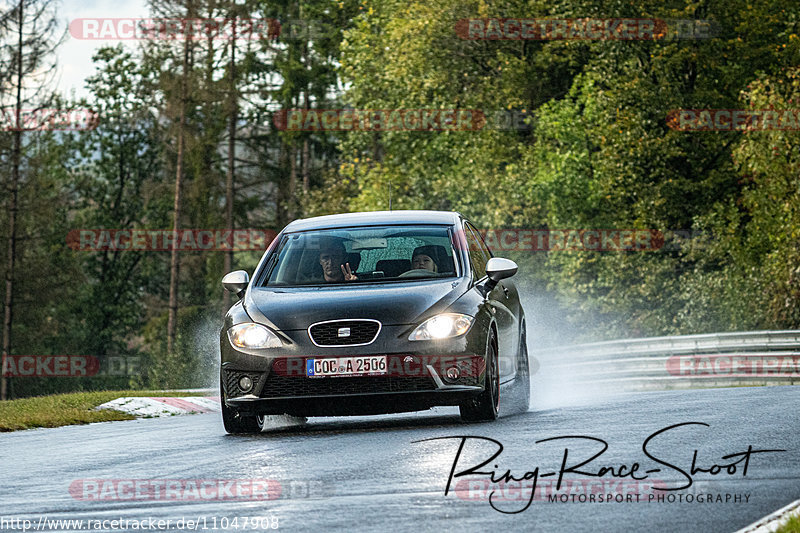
<point>520,400</point>
<point>234,421</point>
<point>486,406</point>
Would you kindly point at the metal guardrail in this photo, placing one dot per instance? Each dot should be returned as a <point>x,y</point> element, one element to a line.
<point>686,361</point>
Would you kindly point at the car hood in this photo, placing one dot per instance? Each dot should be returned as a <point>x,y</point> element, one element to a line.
<point>296,308</point>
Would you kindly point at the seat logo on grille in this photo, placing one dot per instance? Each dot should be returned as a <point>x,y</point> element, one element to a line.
<point>349,332</point>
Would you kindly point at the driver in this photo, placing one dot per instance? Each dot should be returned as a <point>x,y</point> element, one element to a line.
<point>425,258</point>
<point>331,259</point>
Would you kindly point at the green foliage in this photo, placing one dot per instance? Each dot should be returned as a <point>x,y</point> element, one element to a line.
<point>595,151</point>
<point>759,234</point>
<point>601,154</point>
<point>113,172</point>
<point>792,525</point>
<point>196,358</point>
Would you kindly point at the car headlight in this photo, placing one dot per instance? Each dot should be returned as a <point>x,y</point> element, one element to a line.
<point>441,327</point>
<point>250,335</point>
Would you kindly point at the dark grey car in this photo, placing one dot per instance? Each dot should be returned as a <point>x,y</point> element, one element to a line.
<point>371,313</point>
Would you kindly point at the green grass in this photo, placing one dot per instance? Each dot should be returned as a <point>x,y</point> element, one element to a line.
<point>67,409</point>
<point>792,526</point>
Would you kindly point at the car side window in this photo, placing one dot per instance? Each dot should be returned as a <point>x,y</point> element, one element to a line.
<point>485,249</point>
<point>477,256</point>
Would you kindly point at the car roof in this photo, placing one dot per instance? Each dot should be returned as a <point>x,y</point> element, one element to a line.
<point>372,218</point>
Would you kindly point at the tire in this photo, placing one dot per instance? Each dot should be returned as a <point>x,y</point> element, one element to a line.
<point>486,406</point>
<point>520,400</point>
<point>234,422</point>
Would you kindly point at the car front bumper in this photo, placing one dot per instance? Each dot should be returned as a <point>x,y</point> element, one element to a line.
<point>416,378</point>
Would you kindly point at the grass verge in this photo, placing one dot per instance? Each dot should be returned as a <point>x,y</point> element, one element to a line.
<point>792,526</point>
<point>67,409</point>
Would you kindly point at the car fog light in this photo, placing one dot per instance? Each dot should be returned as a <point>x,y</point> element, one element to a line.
<point>245,383</point>
<point>452,373</point>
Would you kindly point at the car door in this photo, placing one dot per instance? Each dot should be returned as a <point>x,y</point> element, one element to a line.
<point>501,302</point>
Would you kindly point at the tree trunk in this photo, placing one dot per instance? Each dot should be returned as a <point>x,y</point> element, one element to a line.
<point>280,190</point>
<point>228,260</point>
<point>306,166</point>
<point>16,157</point>
<point>174,267</point>
<point>306,151</point>
<point>292,200</point>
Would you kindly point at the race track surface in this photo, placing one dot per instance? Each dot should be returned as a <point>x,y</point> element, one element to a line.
<point>368,474</point>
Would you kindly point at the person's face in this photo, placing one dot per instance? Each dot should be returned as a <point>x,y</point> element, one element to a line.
<point>424,262</point>
<point>331,263</point>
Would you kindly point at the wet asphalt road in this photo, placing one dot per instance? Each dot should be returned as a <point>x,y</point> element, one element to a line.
<point>367,473</point>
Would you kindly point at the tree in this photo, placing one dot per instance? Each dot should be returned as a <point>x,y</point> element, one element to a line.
<point>111,173</point>
<point>179,99</point>
<point>30,36</point>
<point>299,69</point>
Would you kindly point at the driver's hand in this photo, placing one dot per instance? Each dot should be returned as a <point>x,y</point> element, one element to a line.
<point>348,274</point>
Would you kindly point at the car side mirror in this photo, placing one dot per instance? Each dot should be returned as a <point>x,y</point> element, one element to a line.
<point>498,269</point>
<point>236,282</point>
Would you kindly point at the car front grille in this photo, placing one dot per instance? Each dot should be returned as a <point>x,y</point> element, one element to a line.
<point>344,332</point>
<point>286,386</point>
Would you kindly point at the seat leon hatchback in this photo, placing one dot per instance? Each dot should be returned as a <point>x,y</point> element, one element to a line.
<point>369,313</point>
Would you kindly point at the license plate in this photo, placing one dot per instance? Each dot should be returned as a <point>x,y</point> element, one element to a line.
<point>366,365</point>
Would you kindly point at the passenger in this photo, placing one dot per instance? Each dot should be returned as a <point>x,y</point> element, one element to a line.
<point>425,258</point>
<point>331,259</point>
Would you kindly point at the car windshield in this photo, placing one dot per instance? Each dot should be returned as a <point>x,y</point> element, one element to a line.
<point>362,255</point>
